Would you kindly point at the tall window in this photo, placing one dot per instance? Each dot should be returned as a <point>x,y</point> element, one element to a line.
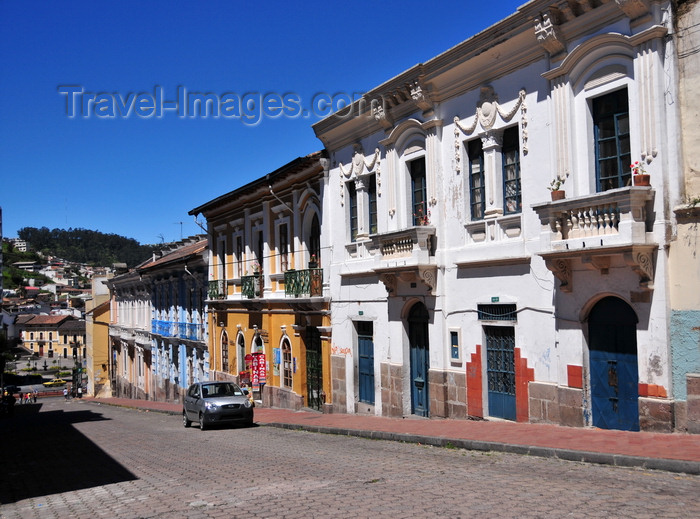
<point>612,140</point>
<point>224,352</point>
<point>477,193</point>
<point>373,204</point>
<point>352,208</point>
<point>241,352</point>
<point>239,256</point>
<point>284,248</point>
<point>260,251</point>
<point>286,364</point>
<point>419,197</point>
<point>512,202</point>
<point>315,239</point>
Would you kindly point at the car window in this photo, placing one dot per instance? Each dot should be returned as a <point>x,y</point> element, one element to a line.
<point>193,391</point>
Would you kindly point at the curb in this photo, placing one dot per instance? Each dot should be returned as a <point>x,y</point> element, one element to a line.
<point>601,458</point>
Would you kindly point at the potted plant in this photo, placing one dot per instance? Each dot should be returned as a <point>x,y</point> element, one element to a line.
<point>256,269</point>
<point>422,217</point>
<point>639,175</point>
<point>555,185</point>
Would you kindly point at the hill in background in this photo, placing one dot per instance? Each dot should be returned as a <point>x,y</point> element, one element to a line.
<point>86,246</point>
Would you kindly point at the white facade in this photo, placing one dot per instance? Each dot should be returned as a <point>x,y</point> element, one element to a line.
<point>488,267</point>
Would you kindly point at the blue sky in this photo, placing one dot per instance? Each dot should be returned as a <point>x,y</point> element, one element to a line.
<point>138,176</point>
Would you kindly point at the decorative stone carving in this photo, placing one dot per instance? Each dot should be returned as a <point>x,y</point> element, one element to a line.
<point>358,164</point>
<point>428,275</point>
<point>380,115</point>
<point>548,35</point>
<point>389,281</point>
<point>561,268</point>
<point>486,110</point>
<point>633,8</point>
<point>642,262</point>
<point>420,96</point>
<point>359,167</point>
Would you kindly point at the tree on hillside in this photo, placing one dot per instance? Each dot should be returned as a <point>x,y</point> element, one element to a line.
<point>86,246</point>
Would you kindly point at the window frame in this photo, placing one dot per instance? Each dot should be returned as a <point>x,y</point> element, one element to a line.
<point>511,143</point>
<point>623,159</point>
<point>419,186</point>
<point>475,153</point>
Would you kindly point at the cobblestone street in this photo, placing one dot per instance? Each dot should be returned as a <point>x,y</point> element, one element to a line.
<point>105,461</point>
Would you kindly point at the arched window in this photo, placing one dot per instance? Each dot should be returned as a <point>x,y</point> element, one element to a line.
<point>315,240</point>
<point>286,364</point>
<point>241,352</point>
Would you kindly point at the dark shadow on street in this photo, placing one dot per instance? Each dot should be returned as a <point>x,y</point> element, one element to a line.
<point>42,453</point>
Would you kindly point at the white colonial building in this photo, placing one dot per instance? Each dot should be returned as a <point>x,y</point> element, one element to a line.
<point>460,288</point>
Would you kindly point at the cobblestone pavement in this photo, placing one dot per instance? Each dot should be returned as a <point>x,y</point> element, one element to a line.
<point>80,460</point>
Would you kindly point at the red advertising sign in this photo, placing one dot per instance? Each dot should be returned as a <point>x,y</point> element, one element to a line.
<point>258,370</point>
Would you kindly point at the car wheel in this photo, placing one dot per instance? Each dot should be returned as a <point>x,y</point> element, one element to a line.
<point>202,425</point>
<point>186,421</point>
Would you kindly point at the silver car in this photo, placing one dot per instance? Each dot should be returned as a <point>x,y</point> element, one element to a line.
<point>216,402</point>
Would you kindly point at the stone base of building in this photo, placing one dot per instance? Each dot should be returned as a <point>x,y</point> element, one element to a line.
<point>550,403</point>
<point>656,415</point>
<point>392,389</point>
<point>692,405</point>
<point>282,398</point>
<point>338,387</point>
<point>448,394</point>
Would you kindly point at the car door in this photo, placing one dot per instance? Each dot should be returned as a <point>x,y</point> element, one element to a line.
<point>191,399</point>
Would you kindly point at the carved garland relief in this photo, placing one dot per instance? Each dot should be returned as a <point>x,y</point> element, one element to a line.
<point>486,111</point>
<point>359,167</point>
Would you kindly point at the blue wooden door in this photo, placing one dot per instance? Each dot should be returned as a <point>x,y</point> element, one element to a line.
<point>420,359</point>
<point>613,365</point>
<point>500,370</point>
<point>365,347</point>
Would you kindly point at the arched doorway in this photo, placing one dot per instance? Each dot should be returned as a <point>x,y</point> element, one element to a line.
<point>612,344</point>
<point>418,318</point>
<point>314,368</point>
<point>224,351</point>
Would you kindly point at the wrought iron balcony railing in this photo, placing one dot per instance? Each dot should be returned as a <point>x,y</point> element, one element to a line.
<point>251,286</point>
<point>217,289</point>
<point>307,282</point>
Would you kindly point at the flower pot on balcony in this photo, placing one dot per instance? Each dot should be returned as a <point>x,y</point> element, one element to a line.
<point>641,180</point>
<point>558,194</point>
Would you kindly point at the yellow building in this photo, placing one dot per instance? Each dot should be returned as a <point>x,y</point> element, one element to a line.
<point>267,289</point>
<point>97,317</point>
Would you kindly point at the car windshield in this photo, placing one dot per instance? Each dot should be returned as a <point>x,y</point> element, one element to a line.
<point>219,390</point>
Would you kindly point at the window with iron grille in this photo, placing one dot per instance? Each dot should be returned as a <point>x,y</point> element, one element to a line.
<point>510,151</point>
<point>477,186</point>
<point>612,140</point>
<point>497,312</point>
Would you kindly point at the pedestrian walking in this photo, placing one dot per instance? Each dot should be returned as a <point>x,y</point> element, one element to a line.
<point>21,397</point>
<point>35,394</point>
<point>80,391</point>
<point>27,398</point>
<point>65,393</point>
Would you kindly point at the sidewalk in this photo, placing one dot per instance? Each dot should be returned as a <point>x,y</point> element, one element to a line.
<point>661,451</point>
